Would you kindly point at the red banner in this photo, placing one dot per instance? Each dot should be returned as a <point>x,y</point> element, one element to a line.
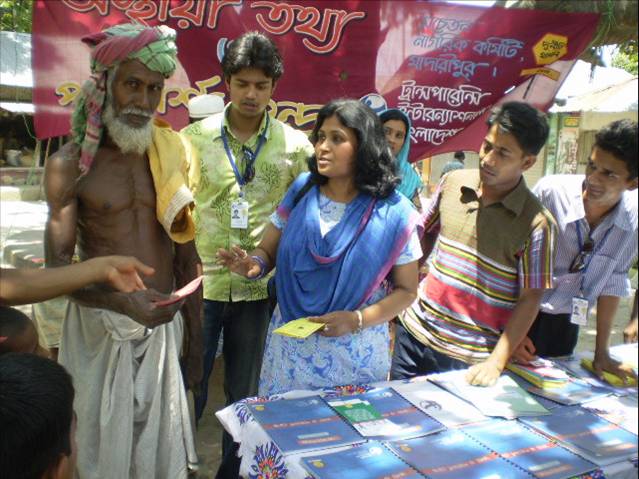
<point>445,65</point>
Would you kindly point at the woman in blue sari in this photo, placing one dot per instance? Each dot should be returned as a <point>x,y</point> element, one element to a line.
<point>339,233</point>
<point>397,130</point>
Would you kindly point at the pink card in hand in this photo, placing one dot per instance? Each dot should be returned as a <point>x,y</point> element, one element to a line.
<point>182,292</point>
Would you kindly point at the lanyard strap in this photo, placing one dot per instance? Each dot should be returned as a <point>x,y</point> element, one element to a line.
<point>252,156</point>
<point>592,255</point>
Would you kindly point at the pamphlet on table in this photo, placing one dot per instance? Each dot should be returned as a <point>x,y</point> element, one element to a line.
<point>440,404</point>
<point>368,461</point>
<point>303,424</point>
<point>590,436</point>
<point>540,456</point>
<point>505,399</point>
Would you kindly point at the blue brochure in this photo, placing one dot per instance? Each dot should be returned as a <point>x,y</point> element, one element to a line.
<point>592,437</point>
<point>451,454</point>
<point>303,424</point>
<point>529,450</point>
<point>368,461</point>
<point>383,414</point>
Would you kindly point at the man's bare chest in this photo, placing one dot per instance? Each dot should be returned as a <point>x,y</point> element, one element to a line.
<point>113,189</point>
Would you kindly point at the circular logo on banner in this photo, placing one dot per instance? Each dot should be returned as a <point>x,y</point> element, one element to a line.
<point>375,101</point>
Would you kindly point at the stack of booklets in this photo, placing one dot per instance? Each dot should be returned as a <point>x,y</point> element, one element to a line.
<point>384,414</point>
<point>590,436</point>
<point>303,424</point>
<point>495,450</point>
<point>542,373</point>
<point>505,399</point>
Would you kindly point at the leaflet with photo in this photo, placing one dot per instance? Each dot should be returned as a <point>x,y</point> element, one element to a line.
<point>384,414</point>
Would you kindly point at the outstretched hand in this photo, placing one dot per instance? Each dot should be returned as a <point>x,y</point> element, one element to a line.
<point>122,272</point>
<point>238,261</point>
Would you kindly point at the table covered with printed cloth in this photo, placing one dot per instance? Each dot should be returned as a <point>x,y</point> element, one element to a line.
<point>261,458</point>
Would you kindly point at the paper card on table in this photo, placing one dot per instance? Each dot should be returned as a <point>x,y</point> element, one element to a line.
<point>303,424</point>
<point>182,292</point>
<point>590,436</point>
<point>398,417</point>
<point>299,328</point>
<point>439,403</point>
<point>505,399</point>
<point>368,461</point>
<point>529,450</point>
<point>451,454</point>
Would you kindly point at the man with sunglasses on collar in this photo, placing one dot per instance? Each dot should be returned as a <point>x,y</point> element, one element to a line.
<point>596,216</point>
<point>247,160</point>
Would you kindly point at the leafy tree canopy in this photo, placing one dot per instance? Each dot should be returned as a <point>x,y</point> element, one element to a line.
<point>15,15</point>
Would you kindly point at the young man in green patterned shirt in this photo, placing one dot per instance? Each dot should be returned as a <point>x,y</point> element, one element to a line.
<point>247,160</point>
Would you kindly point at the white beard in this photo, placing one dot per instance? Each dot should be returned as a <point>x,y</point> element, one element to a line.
<point>129,139</point>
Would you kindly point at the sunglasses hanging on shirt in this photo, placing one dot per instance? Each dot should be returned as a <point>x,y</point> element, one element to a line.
<point>581,260</point>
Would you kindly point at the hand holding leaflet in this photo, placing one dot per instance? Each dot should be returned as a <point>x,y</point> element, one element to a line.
<point>183,292</point>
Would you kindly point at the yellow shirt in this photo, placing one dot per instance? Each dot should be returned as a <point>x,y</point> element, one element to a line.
<point>281,159</point>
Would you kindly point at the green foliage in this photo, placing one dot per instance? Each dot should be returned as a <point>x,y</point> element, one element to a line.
<point>15,15</point>
<point>626,57</point>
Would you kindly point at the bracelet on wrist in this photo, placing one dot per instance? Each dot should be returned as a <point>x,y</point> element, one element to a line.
<point>259,260</point>
<point>360,321</point>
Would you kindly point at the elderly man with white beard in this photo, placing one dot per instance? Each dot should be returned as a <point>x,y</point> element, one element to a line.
<point>121,186</point>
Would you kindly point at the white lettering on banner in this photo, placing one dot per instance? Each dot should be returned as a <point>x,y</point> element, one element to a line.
<point>441,116</point>
<point>467,94</point>
<point>446,63</point>
<point>433,136</point>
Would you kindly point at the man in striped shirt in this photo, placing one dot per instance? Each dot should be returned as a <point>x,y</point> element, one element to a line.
<point>491,262</point>
<point>596,214</point>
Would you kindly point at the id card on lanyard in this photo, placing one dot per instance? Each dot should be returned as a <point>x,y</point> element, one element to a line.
<point>580,304</point>
<point>240,207</point>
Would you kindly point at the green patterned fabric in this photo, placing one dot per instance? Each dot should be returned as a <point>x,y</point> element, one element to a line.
<point>281,160</point>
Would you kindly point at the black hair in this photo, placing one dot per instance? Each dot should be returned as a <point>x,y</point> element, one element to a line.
<point>374,164</point>
<point>253,50</point>
<point>527,124</point>
<point>13,322</point>
<point>394,115</point>
<point>459,155</point>
<point>619,138</point>
<point>36,412</point>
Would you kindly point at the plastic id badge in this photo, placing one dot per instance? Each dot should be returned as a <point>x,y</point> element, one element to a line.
<point>239,214</point>
<point>579,313</point>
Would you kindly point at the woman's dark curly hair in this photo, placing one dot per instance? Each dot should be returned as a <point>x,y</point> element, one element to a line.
<point>374,164</point>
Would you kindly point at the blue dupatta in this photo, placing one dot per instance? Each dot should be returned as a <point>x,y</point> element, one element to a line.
<point>340,271</point>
